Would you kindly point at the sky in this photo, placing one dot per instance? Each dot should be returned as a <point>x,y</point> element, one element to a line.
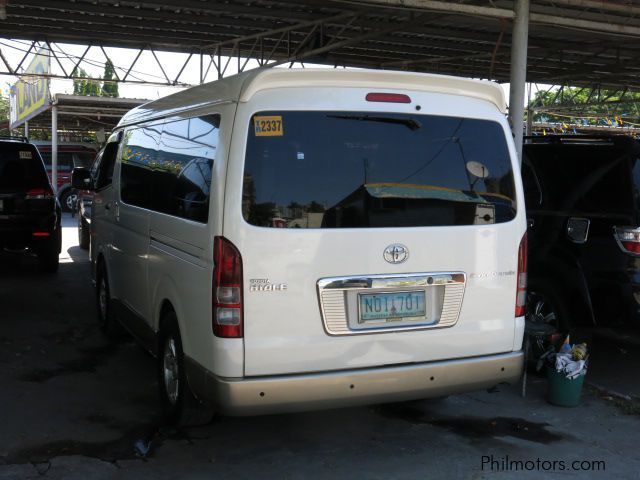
<point>146,68</point>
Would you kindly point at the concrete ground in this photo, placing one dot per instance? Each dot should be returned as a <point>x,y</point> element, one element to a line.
<point>73,406</point>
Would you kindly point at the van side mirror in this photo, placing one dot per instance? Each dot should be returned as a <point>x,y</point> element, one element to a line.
<point>81,179</point>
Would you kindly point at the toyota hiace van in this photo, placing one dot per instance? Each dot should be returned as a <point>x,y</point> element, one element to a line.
<point>287,240</point>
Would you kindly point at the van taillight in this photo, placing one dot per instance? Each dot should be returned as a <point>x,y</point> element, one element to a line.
<point>628,239</point>
<point>227,289</point>
<point>521,289</point>
<point>39,194</point>
<point>388,97</point>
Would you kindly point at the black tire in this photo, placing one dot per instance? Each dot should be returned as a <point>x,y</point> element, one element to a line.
<point>546,304</point>
<point>68,200</point>
<point>180,407</point>
<point>83,233</point>
<point>106,318</point>
<point>48,255</point>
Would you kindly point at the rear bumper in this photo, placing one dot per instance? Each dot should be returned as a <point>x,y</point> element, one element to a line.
<point>289,393</point>
<point>16,231</point>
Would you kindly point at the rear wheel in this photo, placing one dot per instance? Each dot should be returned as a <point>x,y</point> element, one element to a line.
<point>179,405</point>
<point>68,200</point>
<point>547,314</point>
<point>106,321</point>
<point>547,307</point>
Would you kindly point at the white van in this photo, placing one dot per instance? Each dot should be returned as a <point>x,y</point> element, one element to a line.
<point>299,239</point>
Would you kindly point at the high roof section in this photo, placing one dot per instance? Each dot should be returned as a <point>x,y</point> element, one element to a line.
<point>245,85</point>
<point>580,42</point>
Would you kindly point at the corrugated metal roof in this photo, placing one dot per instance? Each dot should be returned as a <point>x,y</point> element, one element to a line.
<point>380,34</point>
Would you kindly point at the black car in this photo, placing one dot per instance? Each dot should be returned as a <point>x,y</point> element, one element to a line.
<point>84,204</point>
<point>29,212</point>
<point>583,206</point>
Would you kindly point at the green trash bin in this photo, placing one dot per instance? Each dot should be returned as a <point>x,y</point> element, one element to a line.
<point>563,391</point>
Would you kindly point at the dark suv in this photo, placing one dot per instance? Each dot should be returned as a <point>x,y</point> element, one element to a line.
<point>29,212</point>
<point>583,206</point>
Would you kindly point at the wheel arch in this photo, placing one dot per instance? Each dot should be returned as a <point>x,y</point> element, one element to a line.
<point>165,299</point>
<point>565,272</point>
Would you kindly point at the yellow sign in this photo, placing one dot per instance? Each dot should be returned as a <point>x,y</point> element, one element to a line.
<point>268,126</point>
<point>30,94</point>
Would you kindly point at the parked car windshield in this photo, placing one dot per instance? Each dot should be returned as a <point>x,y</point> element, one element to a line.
<point>364,169</point>
<point>21,167</point>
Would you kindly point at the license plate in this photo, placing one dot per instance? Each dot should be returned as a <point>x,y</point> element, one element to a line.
<point>392,306</point>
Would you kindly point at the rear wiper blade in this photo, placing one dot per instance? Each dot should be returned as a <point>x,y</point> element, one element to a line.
<point>407,122</point>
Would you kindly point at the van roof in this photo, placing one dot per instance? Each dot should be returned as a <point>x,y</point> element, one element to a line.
<point>243,86</point>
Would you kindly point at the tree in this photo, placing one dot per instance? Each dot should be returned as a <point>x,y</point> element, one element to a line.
<point>315,207</point>
<point>85,86</point>
<point>587,106</point>
<point>4,115</point>
<point>109,89</point>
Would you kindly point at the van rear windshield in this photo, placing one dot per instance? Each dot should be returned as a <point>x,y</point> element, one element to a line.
<point>366,170</point>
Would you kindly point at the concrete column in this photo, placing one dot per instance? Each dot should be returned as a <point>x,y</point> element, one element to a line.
<point>54,148</point>
<point>519,42</point>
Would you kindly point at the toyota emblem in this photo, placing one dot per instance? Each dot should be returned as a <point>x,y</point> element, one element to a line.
<point>396,253</point>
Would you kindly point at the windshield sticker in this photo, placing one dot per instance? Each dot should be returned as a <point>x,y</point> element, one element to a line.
<point>25,155</point>
<point>268,126</point>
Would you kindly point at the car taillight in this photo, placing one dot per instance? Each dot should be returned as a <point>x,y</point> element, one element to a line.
<point>227,289</point>
<point>628,239</point>
<point>39,194</point>
<point>521,289</point>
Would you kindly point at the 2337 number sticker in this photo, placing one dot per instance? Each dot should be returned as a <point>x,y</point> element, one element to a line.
<point>268,126</point>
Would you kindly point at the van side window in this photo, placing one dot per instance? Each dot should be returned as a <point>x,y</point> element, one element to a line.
<point>104,173</point>
<point>138,158</point>
<point>182,172</point>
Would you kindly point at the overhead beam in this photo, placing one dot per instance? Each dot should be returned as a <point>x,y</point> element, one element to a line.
<point>496,12</point>
<point>600,5</point>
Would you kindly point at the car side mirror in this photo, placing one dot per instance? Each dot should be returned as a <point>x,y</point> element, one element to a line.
<point>81,179</point>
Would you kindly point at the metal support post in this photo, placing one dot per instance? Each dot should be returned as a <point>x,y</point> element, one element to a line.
<point>54,148</point>
<point>26,129</point>
<point>519,43</point>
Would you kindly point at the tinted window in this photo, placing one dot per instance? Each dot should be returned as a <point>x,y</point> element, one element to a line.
<point>96,164</point>
<point>358,169</point>
<point>21,167</point>
<point>83,159</point>
<point>104,174</point>
<point>585,178</point>
<point>182,173</point>
<point>167,168</point>
<point>139,159</point>
<point>65,161</point>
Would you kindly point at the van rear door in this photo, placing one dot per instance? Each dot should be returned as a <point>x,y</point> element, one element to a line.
<point>372,235</point>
